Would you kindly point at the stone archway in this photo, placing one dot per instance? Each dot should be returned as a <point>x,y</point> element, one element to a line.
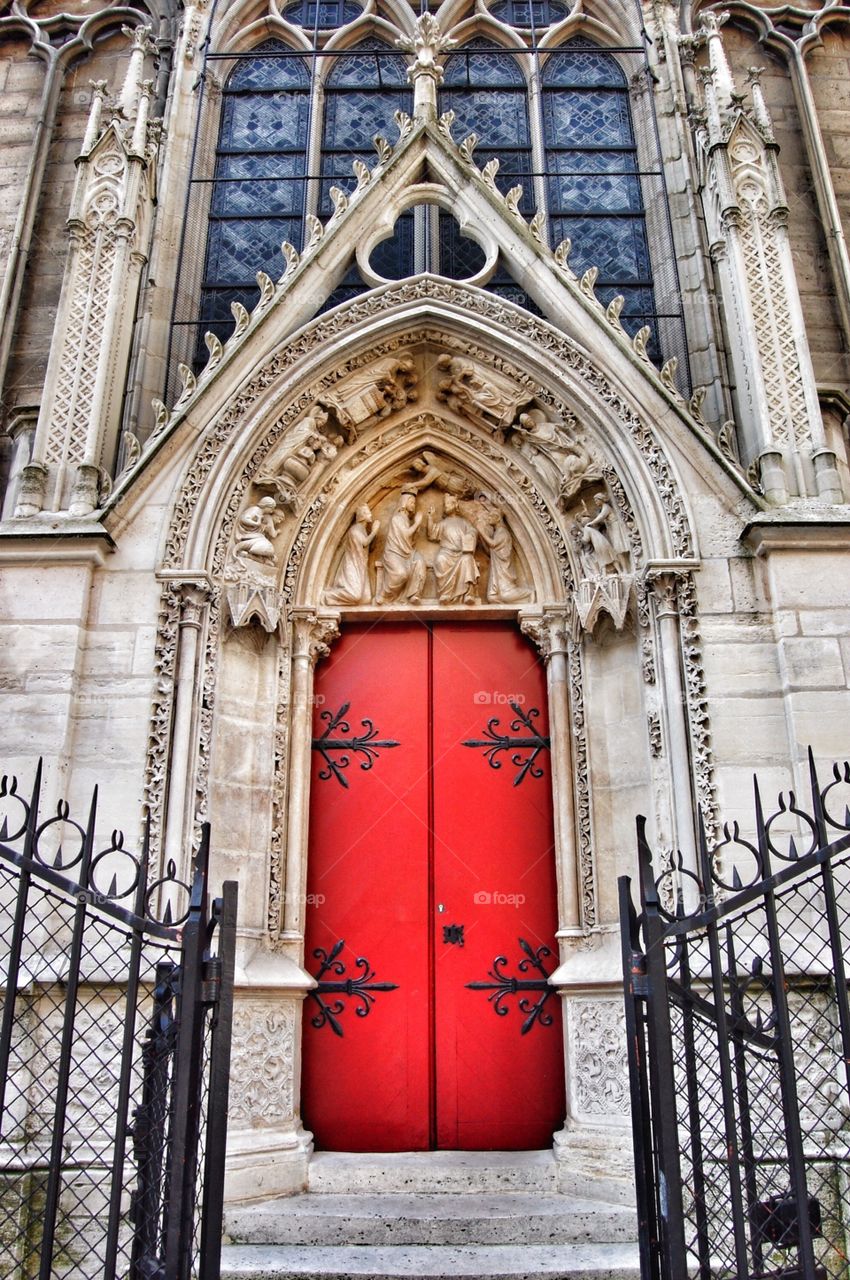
<point>351,436</point>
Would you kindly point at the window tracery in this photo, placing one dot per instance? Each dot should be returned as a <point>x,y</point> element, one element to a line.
<point>572,143</point>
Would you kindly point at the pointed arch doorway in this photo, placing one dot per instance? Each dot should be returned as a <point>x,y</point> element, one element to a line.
<point>431,906</point>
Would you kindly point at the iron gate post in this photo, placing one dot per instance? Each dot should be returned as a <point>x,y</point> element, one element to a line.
<point>634,993</point>
<point>219,1088</point>
<point>186,1094</point>
<point>662,1079</point>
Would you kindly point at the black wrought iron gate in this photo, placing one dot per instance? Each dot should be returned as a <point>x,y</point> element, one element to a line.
<point>114,1053</point>
<point>738,1027</point>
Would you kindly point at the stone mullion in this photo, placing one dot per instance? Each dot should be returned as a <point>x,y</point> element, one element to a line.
<point>312,633</point>
<point>179,816</point>
<point>664,584</point>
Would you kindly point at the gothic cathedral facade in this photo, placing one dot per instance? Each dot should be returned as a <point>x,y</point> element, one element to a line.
<point>425,449</point>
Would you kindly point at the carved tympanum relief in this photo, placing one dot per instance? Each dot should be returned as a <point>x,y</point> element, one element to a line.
<point>438,540</point>
<point>432,532</point>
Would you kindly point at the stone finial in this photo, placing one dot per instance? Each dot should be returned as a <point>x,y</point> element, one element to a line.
<point>761,114</point>
<point>142,44</point>
<point>723,81</point>
<point>426,74</point>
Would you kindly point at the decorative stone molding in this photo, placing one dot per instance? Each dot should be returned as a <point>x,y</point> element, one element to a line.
<point>599,1076</point>
<point>263,1065</point>
<point>746,214</point>
<point>581,787</point>
<point>110,212</point>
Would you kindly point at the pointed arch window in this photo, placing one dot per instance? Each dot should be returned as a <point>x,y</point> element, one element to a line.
<point>324,15</point>
<point>536,13</point>
<point>487,91</point>
<point>594,185</point>
<point>364,90</point>
<point>257,198</point>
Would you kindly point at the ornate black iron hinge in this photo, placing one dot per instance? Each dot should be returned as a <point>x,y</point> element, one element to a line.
<point>503,986</point>
<point>494,742</point>
<point>365,745</point>
<point>361,987</point>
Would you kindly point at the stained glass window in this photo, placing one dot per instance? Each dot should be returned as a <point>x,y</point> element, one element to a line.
<point>594,189</point>
<point>487,92</point>
<point>537,13</point>
<point>364,90</point>
<point>325,15</point>
<point>257,196</point>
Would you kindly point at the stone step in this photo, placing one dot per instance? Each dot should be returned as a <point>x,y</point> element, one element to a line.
<point>495,1262</point>
<point>502,1218</point>
<point>433,1172</point>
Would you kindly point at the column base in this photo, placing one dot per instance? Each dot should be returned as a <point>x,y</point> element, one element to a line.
<point>263,1164</point>
<point>594,1162</point>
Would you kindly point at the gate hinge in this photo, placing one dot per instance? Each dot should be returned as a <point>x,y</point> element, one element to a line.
<point>211,981</point>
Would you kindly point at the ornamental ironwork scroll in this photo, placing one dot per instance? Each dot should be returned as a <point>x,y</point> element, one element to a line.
<point>360,987</point>
<point>337,751</point>
<point>525,747</point>
<point>503,985</point>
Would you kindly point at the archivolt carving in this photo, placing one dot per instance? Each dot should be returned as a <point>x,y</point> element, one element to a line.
<point>292,542</point>
<point>599,1069</point>
<point>539,335</point>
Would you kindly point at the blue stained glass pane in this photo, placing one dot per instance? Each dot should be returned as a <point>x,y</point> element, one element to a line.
<point>256,122</point>
<point>460,256</point>
<point>264,73</point>
<point>589,117</point>
<point>584,189</point>
<point>237,250</point>
<point>581,66</point>
<point>351,119</point>
<point>617,246</point>
<point>542,13</point>
<point>393,258</point>
<point>499,118</point>
<point>386,69</point>
<point>264,189</point>
<point>331,13</point>
<point>484,70</point>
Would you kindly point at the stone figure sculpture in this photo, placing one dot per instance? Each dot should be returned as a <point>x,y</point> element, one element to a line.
<point>473,391</point>
<point>401,570</point>
<point>351,585</point>
<point>562,460</point>
<point>454,564</point>
<point>600,540</point>
<point>501,580</point>
<point>255,529</point>
<point>306,445</point>
<point>430,470</point>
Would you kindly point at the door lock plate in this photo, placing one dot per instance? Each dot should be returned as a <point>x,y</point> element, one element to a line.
<point>453,934</point>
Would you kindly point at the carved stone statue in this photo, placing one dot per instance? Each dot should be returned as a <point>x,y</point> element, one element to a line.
<point>602,546</point>
<point>430,471</point>
<point>563,461</point>
<point>501,581</point>
<point>479,393</point>
<point>351,585</point>
<point>454,564</point>
<point>306,445</point>
<point>373,392</point>
<point>255,529</point>
<point>401,570</point>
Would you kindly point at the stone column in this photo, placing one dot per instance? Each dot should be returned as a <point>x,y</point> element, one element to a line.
<point>179,810</point>
<point>549,632</point>
<point>664,584</point>
<point>312,635</point>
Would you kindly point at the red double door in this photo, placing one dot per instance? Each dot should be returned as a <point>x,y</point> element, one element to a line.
<point>431,897</point>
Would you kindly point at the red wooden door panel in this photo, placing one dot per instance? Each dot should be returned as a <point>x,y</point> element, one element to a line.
<point>446,836</point>
<point>494,873</point>
<point>368,1088</point>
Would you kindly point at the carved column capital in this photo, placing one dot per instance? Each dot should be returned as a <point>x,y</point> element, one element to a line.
<point>662,582</point>
<point>548,631</point>
<point>313,633</point>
